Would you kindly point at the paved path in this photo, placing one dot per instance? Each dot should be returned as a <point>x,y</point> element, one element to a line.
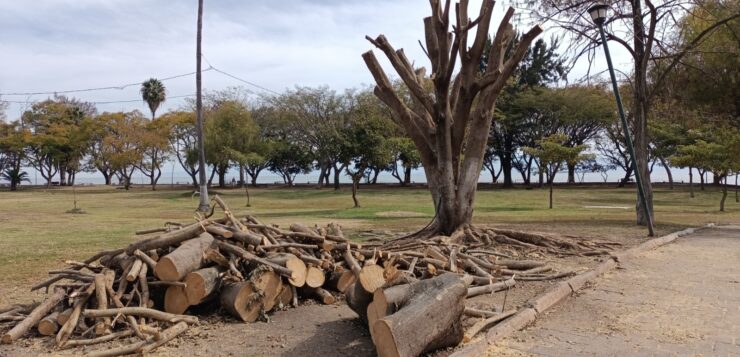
<point>682,299</point>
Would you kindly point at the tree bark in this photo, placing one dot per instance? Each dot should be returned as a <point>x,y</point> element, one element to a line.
<point>551,184</point>
<point>406,176</point>
<point>429,320</point>
<point>355,184</point>
<point>183,260</point>
<point>667,171</point>
<point>571,173</point>
<point>691,182</point>
<point>724,194</point>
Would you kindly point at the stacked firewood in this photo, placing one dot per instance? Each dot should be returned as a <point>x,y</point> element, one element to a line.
<point>142,292</point>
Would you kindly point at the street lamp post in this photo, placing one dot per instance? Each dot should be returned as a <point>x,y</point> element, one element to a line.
<point>598,15</point>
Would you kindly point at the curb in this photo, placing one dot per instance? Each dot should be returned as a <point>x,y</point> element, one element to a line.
<point>536,306</point>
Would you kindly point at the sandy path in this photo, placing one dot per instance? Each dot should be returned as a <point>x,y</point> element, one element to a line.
<point>681,299</point>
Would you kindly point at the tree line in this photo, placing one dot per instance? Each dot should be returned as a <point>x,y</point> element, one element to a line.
<point>540,128</point>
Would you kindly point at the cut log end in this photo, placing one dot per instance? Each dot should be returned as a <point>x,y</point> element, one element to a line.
<point>175,300</point>
<point>371,278</point>
<point>315,277</point>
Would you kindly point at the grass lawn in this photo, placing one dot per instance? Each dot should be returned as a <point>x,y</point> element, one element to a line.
<point>36,234</point>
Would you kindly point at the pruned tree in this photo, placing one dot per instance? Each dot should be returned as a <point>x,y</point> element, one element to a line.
<point>439,122</point>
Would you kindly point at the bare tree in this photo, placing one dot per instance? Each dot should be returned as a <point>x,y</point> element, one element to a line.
<point>450,126</point>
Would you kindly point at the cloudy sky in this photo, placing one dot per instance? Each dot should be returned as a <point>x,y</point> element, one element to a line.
<point>57,45</point>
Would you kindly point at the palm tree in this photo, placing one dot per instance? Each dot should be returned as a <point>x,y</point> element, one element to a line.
<point>15,177</point>
<point>153,93</point>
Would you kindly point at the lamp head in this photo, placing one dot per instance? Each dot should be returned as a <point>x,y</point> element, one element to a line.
<point>598,12</point>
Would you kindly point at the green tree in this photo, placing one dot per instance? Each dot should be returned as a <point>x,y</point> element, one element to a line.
<point>13,140</point>
<point>289,159</point>
<point>552,152</point>
<point>718,151</point>
<point>184,141</point>
<point>122,143</point>
<point>155,149</point>
<point>153,93</point>
<point>230,134</point>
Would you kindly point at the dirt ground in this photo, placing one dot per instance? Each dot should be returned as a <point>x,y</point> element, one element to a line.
<point>316,330</point>
<point>681,299</point>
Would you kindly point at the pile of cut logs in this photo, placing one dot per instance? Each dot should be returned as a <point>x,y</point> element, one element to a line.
<point>411,294</point>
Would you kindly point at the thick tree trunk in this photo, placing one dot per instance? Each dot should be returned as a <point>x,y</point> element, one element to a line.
<point>337,172</point>
<point>406,176</point>
<point>222,176</point>
<point>376,172</point>
<point>571,173</point>
<point>640,113</point>
<point>506,168</point>
<point>202,283</point>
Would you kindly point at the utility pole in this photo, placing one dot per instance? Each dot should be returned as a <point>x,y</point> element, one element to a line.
<point>204,204</point>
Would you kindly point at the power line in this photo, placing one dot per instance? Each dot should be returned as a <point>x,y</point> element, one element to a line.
<point>119,87</point>
<point>245,81</point>
<point>105,102</point>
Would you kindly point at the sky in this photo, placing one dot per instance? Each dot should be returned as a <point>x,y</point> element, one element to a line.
<point>59,45</point>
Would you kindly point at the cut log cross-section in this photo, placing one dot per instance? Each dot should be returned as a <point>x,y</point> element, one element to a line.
<point>175,300</point>
<point>48,325</point>
<point>185,259</point>
<point>429,320</point>
<point>267,284</point>
<point>295,264</point>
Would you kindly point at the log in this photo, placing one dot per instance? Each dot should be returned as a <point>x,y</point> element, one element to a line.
<point>241,301</point>
<point>101,339</point>
<point>315,277</point>
<point>490,288</point>
<point>143,347</point>
<point>319,295</point>
<point>103,326</point>
<point>146,259</point>
<point>371,277</point>
<point>248,238</point>
<point>201,284</point>
<point>48,325</point>
<point>340,281</point>
<point>117,303</point>
<point>296,265</point>
<point>428,321</point>
<point>33,318</point>
<point>183,260</point>
<point>74,318</point>
<point>63,316</point>
<point>286,296</point>
<point>164,337</point>
<point>267,285</point>
<point>219,231</point>
<point>133,273</point>
<point>520,264</point>
<point>175,300</point>
<point>358,299</point>
<point>168,239</point>
<point>140,311</point>
<point>484,324</point>
<point>230,248</point>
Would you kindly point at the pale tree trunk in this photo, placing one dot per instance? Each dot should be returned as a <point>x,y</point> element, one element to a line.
<point>667,171</point>
<point>204,204</point>
<point>640,111</point>
<point>242,178</point>
<point>724,194</point>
